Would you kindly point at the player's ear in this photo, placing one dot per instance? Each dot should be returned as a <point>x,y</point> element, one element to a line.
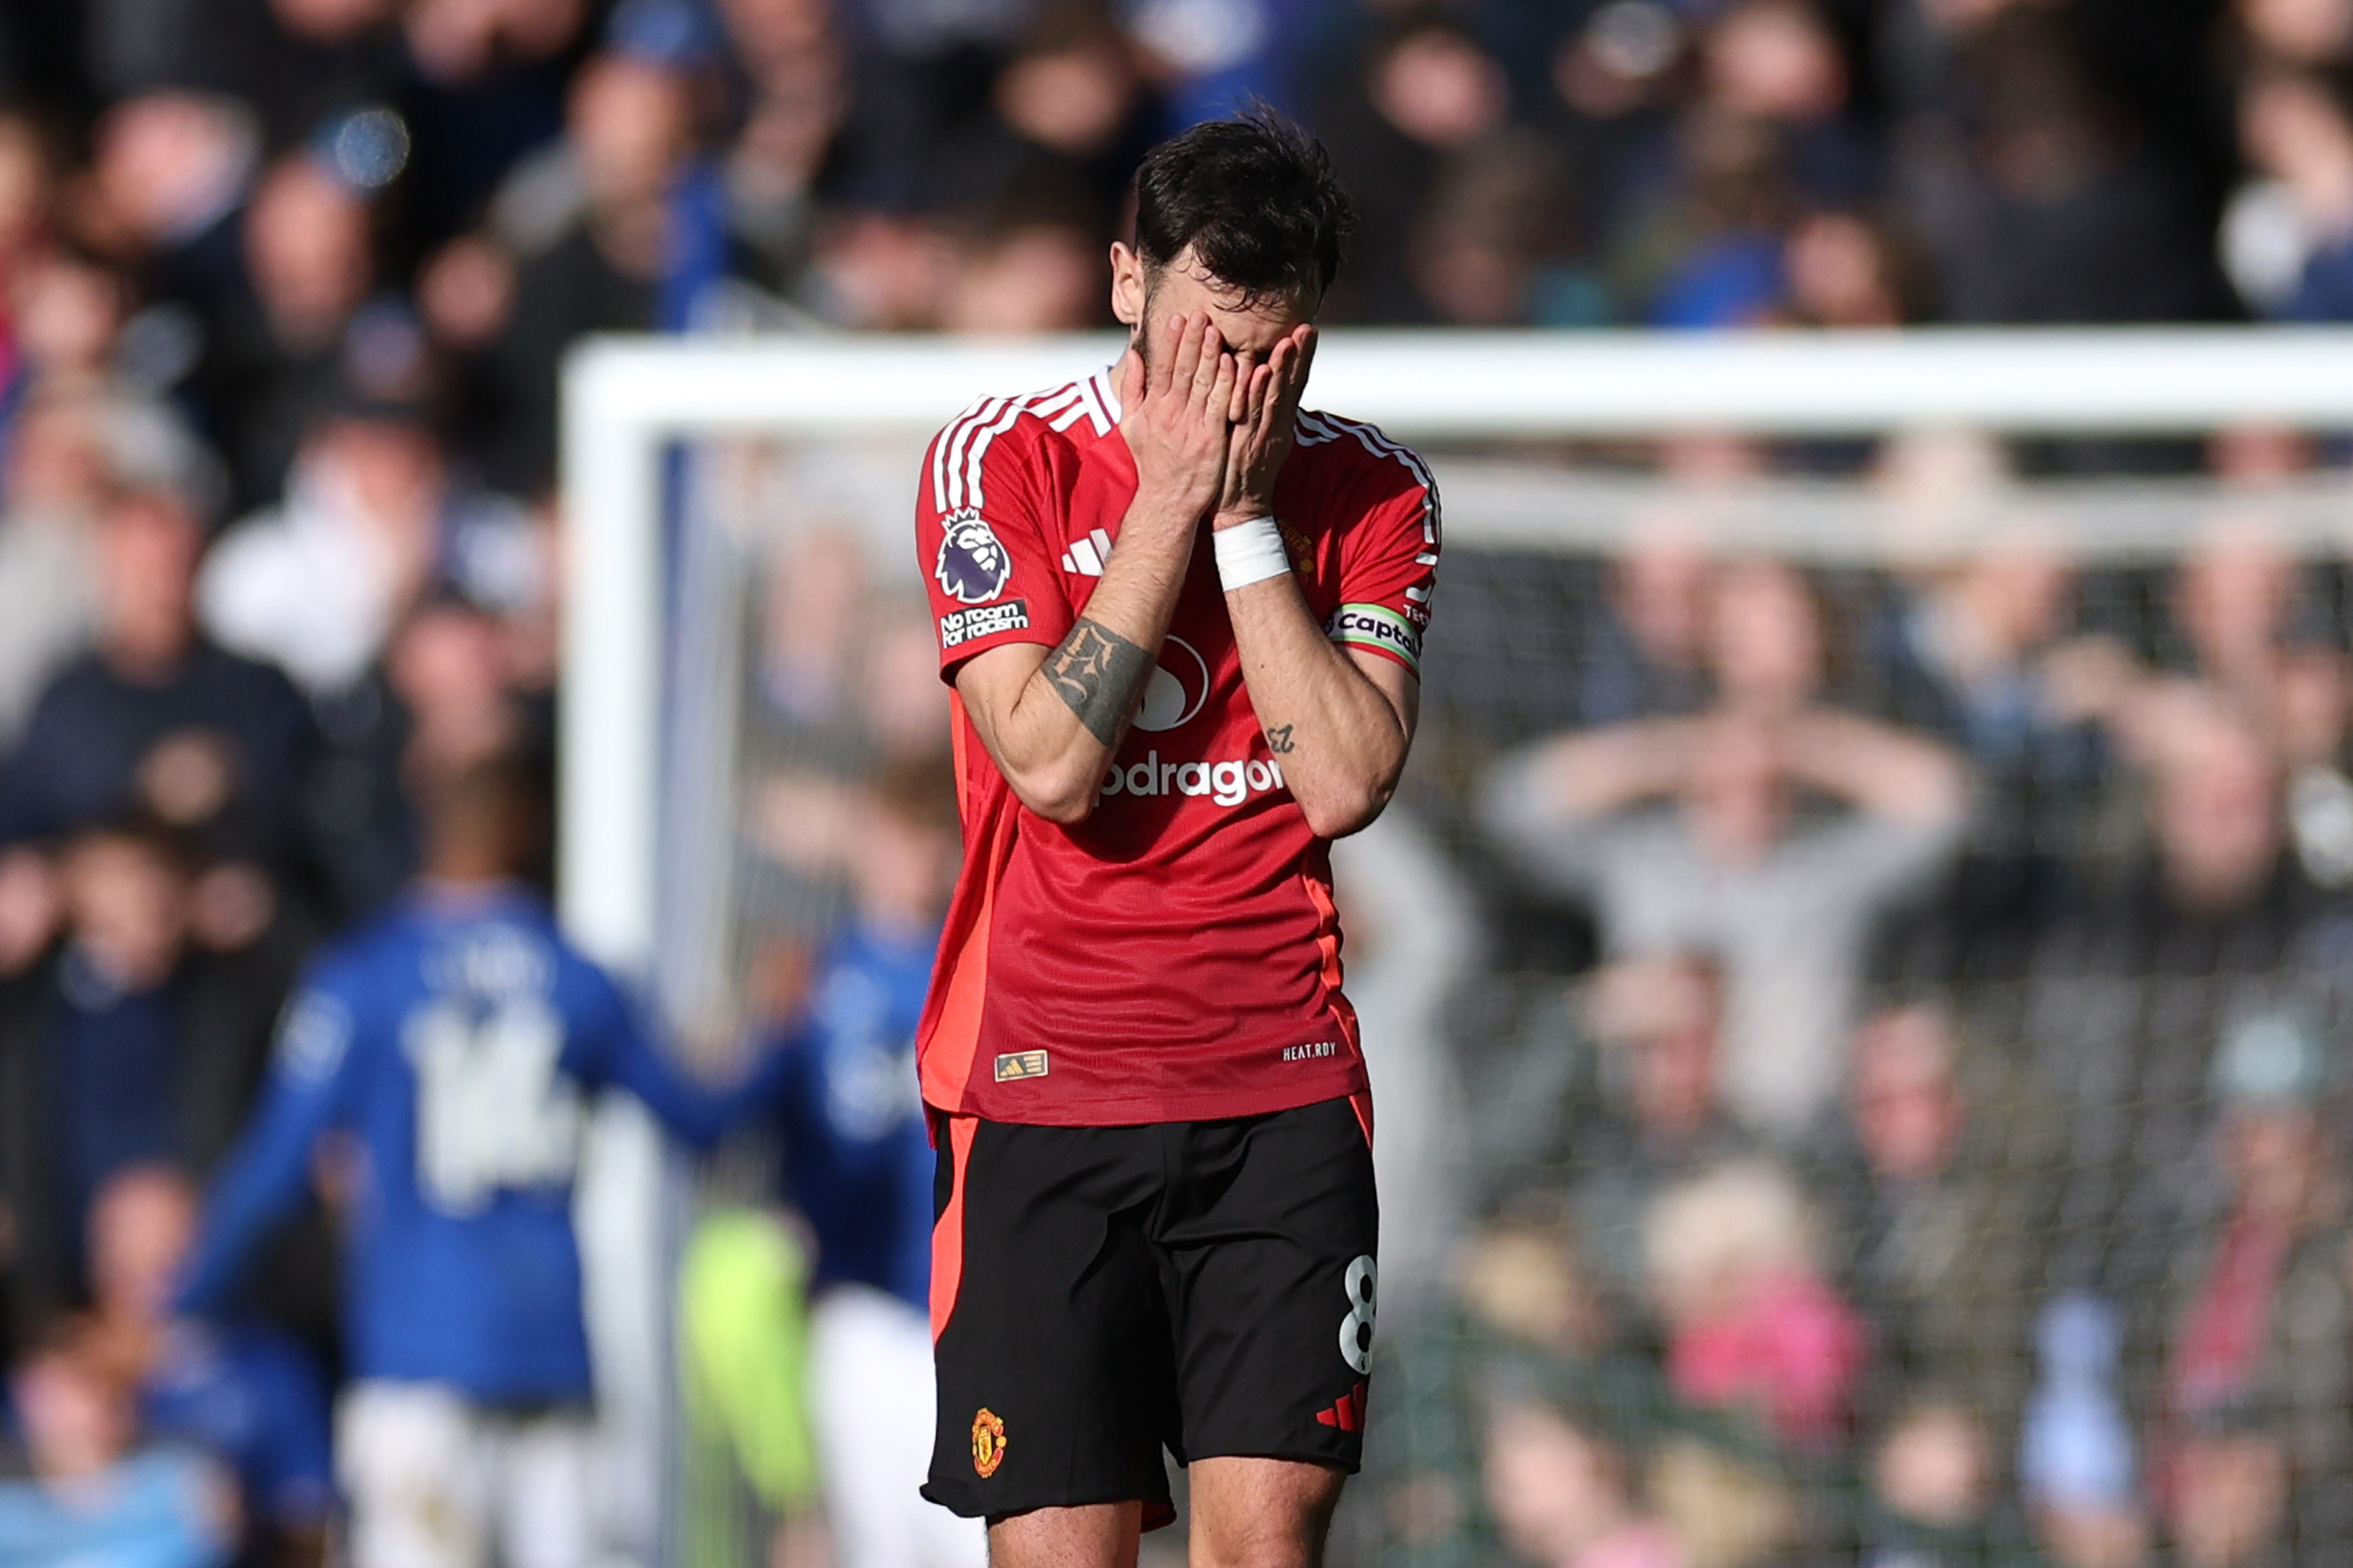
<point>1127,289</point>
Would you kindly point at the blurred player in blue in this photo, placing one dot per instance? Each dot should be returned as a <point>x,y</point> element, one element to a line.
<point>455,1045</point>
<point>859,1165</point>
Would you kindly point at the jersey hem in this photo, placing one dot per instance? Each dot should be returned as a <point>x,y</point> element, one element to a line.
<point>1149,1110</point>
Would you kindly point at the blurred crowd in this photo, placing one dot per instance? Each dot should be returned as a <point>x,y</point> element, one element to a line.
<point>1909,1100</point>
<point>1904,1095</point>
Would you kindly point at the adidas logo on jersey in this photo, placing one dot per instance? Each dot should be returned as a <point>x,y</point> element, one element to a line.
<point>1226,784</point>
<point>1087,557</point>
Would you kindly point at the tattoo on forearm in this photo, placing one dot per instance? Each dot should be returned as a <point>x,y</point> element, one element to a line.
<point>1098,673</point>
<point>1278,742</point>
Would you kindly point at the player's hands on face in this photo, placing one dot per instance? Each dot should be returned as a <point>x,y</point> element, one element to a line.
<point>1176,418</point>
<point>1266,413</point>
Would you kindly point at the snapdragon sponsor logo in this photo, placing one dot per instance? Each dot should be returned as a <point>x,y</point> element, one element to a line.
<point>1225,784</point>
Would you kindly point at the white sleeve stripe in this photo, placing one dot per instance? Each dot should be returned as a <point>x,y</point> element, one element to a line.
<point>969,484</point>
<point>963,472</point>
<point>1092,404</point>
<point>1322,427</point>
<point>940,454</point>
<point>948,458</point>
<point>988,409</point>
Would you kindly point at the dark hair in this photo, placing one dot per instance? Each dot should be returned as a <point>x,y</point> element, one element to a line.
<point>1254,197</point>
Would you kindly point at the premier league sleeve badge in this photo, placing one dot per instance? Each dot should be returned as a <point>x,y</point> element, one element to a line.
<point>973,566</point>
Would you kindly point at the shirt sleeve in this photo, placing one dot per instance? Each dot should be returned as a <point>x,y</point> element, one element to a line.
<point>984,537</point>
<point>1389,558</point>
<point>269,1171</point>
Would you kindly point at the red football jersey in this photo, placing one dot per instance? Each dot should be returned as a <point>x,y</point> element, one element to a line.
<point>1175,957</point>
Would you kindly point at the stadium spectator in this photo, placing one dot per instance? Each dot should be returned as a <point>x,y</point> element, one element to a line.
<point>54,483</point>
<point>2032,191</point>
<point>623,239</point>
<point>2077,1466</point>
<point>1658,1019</point>
<point>2286,236</point>
<point>1562,1492</point>
<point>2231,1487</point>
<point>1041,277</point>
<point>1767,648</point>
<point>170,171</point>
<point>1490,248</point>
<point>1788,901</point>
<point>68,315</point>
<point>1734,1257</point>
<point>1424,91</point>
<point>2257,1373</point>
<point>795,66</point>
<point>2302,32</point>
<point>1075,112</point>
<point>857,1159</point>
<point>455,1039</point>
<point>295,334</point>
<point>242,1390</point>
<point>94,1494</point>
<point>1644,657</point>
<point>1933,1499</point>
<point>158,717</point>
<point>130,1046</point>
<point>1933,1182</point>
<point>1978,655</point>
<point>373,519</point>
<point>2136,987</point>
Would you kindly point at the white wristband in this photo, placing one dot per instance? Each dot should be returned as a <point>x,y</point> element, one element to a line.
<point>1250,552</point>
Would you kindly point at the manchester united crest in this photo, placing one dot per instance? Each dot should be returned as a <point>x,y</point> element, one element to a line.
<point>987,1442</point>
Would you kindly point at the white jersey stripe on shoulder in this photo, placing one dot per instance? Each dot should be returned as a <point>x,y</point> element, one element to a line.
<point>948,437</point>
<point>963,489</point>
<point>990,408</point>
<point>1332,427</point>
<point>964,468</point>
<point>1091,400</point>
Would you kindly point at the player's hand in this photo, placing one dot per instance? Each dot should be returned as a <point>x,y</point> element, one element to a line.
<point>1264,429</point>
<point>1175,419</point>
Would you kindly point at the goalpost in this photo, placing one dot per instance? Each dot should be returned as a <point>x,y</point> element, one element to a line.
<point>634,636</point>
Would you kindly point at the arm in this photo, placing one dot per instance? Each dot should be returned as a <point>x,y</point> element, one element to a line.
<point>1598,773</point>
<point>267,1173</point>
<point>1341,721</point>
<point>1875,767</point>
<point>615,1049</point>
<point>1052,718</point>
<point>699,1116</point>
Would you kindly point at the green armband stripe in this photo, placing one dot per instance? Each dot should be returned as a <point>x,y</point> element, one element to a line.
<point>1376,626</point>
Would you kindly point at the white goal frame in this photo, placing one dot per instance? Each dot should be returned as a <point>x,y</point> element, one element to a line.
<point>627,400</point>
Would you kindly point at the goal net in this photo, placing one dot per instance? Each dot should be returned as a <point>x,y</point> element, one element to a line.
<point>1852,977</point>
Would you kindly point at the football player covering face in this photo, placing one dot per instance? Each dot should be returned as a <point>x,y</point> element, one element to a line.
<point>1238,238</point>
<point>1209,392</point>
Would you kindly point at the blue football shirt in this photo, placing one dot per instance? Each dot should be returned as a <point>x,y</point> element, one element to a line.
<point>457,1042</point>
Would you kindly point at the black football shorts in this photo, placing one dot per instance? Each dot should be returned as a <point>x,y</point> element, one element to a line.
<point>1102,1293</point>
